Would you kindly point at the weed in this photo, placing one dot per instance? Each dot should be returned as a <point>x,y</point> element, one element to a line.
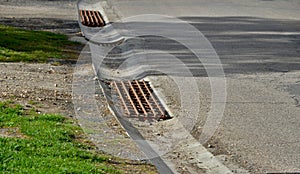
<point>50,146</point>
<point>19,45</point>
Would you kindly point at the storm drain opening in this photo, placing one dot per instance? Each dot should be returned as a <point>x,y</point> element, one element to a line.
<point>91,18</point>
<point>137,100</point>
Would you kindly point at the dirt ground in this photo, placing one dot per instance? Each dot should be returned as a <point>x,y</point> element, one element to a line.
<point>42,86</point>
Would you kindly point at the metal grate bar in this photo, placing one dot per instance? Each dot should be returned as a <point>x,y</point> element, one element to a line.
<point>140,105</point>
<point>129,98</point>
<point>122,98</point>
<point>144,96</point>
<point>162,113</point>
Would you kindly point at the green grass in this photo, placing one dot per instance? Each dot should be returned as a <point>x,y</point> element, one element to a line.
<point>19,45</point>
<point>48,144</point>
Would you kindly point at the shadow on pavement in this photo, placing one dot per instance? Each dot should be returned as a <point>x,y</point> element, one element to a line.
<point>243,44</point>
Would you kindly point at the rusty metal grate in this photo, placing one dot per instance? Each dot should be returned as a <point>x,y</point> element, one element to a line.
<point>91,18</point>
<point>139,101</point>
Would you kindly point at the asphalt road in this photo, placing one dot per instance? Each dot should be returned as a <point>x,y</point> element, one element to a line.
<point>258,43</point>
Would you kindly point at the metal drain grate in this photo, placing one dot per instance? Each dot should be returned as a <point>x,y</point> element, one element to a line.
<point>139,101</point>
<point>91,18</point>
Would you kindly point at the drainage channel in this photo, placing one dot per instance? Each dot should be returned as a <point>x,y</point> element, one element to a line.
<point>133,97</point>
<point>138,101</point>
<point>91,18</point>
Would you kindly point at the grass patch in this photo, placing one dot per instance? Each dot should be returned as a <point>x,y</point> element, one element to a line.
<point>19,45</point>
<point>49,145</point>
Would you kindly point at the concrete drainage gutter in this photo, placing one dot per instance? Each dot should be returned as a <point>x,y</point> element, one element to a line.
<point>205,160</point>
